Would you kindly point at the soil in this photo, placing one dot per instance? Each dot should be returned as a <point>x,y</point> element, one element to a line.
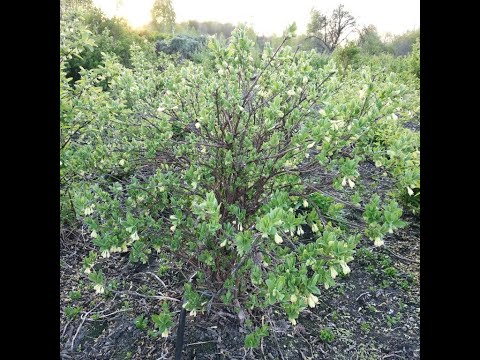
<point>373,313</point>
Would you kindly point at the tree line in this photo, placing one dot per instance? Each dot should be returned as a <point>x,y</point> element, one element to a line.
<point>325,31</point>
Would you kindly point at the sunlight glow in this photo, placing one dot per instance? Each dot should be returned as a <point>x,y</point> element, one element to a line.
<point>273,16</point>
<point>137,12</point>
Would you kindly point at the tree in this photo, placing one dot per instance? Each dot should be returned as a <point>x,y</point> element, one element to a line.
<point>370,41</point>
<point>185,45</point>
<point>331,30</point>
<point>66,5</point>
<point>209,27</point>
<point>163,16</point>
<point>401,45</point>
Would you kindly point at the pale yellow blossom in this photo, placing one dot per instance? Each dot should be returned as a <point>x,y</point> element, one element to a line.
<point>278,239</point>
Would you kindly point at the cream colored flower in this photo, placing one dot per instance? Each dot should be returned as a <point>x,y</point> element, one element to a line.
<point>134,236</point>
<point>312,300</point>
<point>94,234</point>
<point>121,162</point>
<point>293,321</point>
<point>293,298</point>
<point>165,333</point>
<point>345,267</point>
<point>309,146</point>
<point>344,181</point>
<point>106,253</point>
<point>278,239</point>
<point>378,241</point>
<point>99,289</point>
<point>291,92</point>
<point>305,203</point>
<point>409,190</point>
<point>314,227</point>
<point>351,183</point>
<point>333,272</point>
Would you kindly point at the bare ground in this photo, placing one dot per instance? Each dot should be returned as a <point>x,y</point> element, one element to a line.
<point>373,313</point>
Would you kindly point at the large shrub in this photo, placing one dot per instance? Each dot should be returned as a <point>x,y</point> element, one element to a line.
<point>186,46</point>
<point>98,132</point>
<point>347,56</point>
<point>415,58</point>
<point>235,147</point>
<point>111,35</point>
<point>402,45</point>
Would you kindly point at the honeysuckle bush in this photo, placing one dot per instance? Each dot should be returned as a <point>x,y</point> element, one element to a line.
<point>347,56</point>
<point>415,58</point>
<point>111,35</point>
<point>100,139</point>
<point>234,146</point>
<point>386,142</point>
<point>396,150</point>
<point>389,83</point>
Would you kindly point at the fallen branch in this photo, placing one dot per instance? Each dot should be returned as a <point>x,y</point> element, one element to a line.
<point>145,296</point>
<point>158,278</point>
<point>401,257</point>
<point>65,328</point>
<point>359,296</point>
<point>201,342</point>
<point>108,315</point>
<point>84,317</point>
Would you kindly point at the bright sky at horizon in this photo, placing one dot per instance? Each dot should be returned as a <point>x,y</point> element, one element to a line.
<point>272,16</point>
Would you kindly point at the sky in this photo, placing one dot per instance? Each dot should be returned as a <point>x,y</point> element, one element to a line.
<point>273,16</point>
